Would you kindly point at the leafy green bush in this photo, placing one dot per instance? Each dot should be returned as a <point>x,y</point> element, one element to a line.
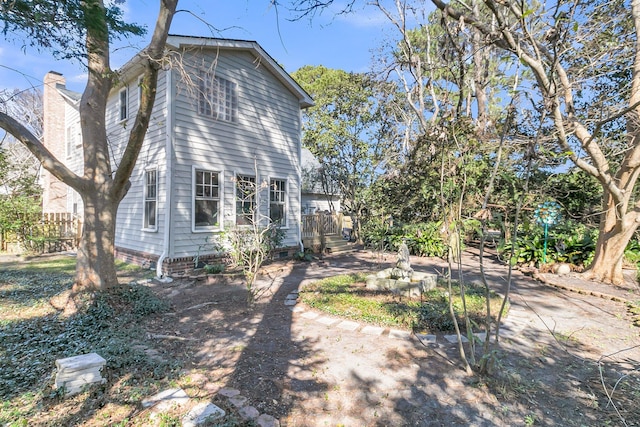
<point>568,242</point>
<point>423,239</point>
<point>214,268</point>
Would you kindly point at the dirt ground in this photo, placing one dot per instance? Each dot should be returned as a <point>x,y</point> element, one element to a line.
<point>562,354</point>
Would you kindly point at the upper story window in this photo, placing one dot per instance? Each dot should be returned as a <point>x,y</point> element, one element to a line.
<point>139,91</point>
<point>73,138</point>
<point>206,203</point>
<point>278,201</point>
<point>150,199</point>
<point>217,97</point>
<point>124,106</point>
<point>245,199</point>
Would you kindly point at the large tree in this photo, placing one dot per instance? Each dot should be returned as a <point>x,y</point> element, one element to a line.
<point>83,30</point>
<point>585,58</point>
<point>347,132</point>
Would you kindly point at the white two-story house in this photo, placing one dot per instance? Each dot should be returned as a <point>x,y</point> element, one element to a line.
<point>226,118</point>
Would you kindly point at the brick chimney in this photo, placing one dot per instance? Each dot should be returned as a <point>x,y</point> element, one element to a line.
<point>54,196</point>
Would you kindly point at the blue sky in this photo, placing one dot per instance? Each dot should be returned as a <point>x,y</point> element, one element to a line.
<point>335,41</point>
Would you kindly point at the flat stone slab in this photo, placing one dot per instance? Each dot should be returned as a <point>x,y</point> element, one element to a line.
<point>480,336</point>
<point>265,420</point>
<point>427,338</point>
<point>82,362</point>
<point>238,401</point>
<point>348,325</point>
<point>399,334</point>
<point>201,413</point>
<point>166,399</point>
<point>327,321</point>
<point>310,315</point>
<point>248,413</point>
<point>290,302</point>
<point>372,330</point>
<point>454,338</point>
<point>228,392</point>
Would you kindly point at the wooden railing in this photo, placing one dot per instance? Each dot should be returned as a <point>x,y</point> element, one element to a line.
<point>48,232</point>
<point>322,224</point>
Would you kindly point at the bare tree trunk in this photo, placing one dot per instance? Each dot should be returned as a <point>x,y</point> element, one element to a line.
<point>613,237</point>
<point>95,267</point>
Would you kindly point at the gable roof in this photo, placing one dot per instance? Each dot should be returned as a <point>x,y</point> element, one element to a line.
<point>263,58</point>
<point>70,95</point>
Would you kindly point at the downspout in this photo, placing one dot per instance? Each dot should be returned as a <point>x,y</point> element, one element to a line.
<point>169,176</point>
<point>299,167</point>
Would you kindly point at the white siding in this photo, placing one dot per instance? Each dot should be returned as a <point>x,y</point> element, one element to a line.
<point>268,130</point>
<point>129,226</point>
<point>74,159</point>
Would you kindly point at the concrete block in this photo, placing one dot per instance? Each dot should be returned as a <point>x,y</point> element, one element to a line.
<point>75,373</point>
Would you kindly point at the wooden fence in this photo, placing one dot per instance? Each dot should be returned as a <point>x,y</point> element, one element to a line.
<point>322,224</point>
<point>49,232</point>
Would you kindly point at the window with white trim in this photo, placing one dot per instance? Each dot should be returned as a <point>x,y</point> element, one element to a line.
<point>278,201</point>
<point>124,107</point>
<point>245,199</point>
<point>206,203</point>
<point>150,200</point>
<point>218,97</point>
<point>73,139</point>
<point>139,91</point>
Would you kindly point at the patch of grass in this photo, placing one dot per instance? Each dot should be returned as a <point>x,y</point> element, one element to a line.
<point>110,324</point>
<point>346,296</point>
<point>49,264</point>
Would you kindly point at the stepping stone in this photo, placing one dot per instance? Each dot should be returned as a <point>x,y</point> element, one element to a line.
<point>249,413</point>
<point>265,420</point>
<point>480,336</point>
<point>454,338</point>
<point>310,315</point>
<point>228,392</point>
<point>399,334</point>
<point>328,321</point>
<point>348,325</point>
<point>166,399</point>
<point>238,401</point>
<point>427,338</point>
<point>290,302</point>
<point>372,330</point>
<point>201,413</point>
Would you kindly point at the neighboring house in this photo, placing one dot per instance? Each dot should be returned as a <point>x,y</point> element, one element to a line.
<point>317,194</point>
<point>227,116</point>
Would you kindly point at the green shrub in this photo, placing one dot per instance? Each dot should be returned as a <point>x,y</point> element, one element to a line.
<point>214,268</point>
<point>568,242</point>
<point>423,239</point>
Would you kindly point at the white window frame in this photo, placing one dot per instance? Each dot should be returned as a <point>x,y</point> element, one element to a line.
<point>73,139</point>
<point>194,196</point>
<point>139,91</point>
<point>147,198</point>
<point>253,203</point>
<point>123,104</point>
<point>284,202</point>
<point>217,97</point>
